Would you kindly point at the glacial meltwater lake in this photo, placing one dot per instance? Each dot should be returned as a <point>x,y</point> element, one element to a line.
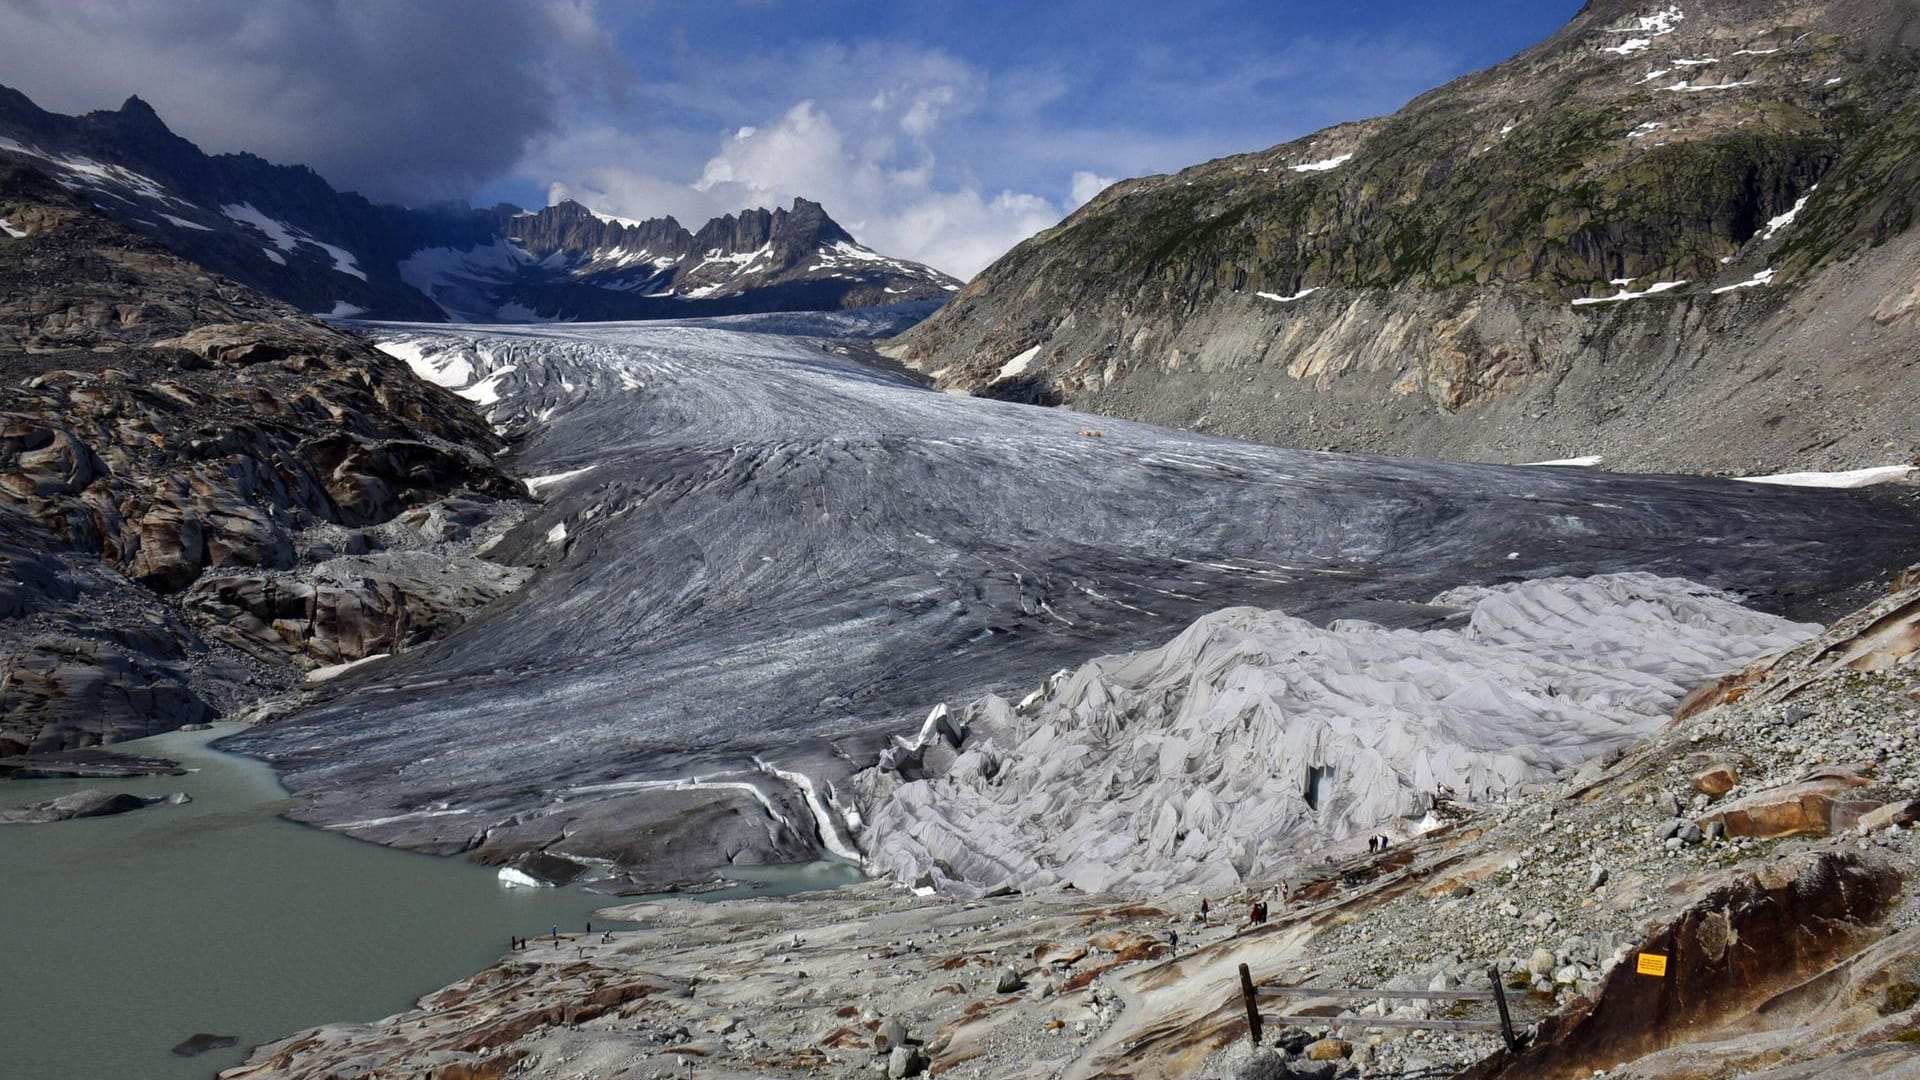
<point>125,935</point>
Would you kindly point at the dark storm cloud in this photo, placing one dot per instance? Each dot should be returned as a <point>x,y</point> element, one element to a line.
<point>400,100</point>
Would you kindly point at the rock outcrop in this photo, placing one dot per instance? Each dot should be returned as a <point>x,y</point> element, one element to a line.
<point>85,804</point>
<point>158,424</point>
<point>1678,238</point>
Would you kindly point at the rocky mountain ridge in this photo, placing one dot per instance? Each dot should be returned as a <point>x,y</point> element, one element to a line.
<point>1663,227</point>
<point>203,492</point>
<point>285,231</point>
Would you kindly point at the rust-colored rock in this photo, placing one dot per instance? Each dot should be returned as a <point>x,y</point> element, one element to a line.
<point>1716,780</point>
<point>1739,945</point>
<point>1814,807</point>
<point>1329,1050</point>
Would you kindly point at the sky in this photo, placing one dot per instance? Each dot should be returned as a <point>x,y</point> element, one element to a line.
<point>933,130</point>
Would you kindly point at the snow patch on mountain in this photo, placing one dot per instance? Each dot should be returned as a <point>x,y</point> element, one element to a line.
<point>441,366</point>
<point>113,181</point>
<point>1323,166</point>
<point>7,227</point>
<point>1850,478</point>
<point>1764,277</point>
<point>290,239</point>
<point>1018,365</point>
<point>1658,24</point>
<point>1687,86</point>
<point>459,279</point>
<point>1655,289</point>
<point>1278,299</point>
<point>1774,225</point>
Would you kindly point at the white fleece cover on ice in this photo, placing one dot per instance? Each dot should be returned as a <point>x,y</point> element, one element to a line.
<point>1187,765</point>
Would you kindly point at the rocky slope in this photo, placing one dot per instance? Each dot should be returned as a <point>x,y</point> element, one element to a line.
<point>1677,235</point>
<point>179,458</point>
<point>284,231</point>
<point>1766,846</point>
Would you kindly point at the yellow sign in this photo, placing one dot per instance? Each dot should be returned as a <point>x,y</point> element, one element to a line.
<point>1652,964</point>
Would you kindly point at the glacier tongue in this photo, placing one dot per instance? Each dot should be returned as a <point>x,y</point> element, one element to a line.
<point>1191,764</point>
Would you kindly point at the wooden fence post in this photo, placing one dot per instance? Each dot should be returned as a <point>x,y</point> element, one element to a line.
<point>1253,1006</point>
<point>1506,1020</point>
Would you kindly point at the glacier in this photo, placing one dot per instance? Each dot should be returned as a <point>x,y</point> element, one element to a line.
<point>771,554</point>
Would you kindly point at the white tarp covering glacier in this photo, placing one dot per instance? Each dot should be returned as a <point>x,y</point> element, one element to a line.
<point>1189,764</point>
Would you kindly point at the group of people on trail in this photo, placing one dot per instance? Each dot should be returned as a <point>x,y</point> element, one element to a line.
<point>519,944</point>
<point>1376,844</point>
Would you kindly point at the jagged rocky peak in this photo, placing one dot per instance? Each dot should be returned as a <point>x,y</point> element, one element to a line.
<point>791,234</point>
<point>572,226</point>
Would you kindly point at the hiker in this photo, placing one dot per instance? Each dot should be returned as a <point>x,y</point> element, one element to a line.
<point>1383,843</point>
<point>589,928</point>
<point>1173,942</point>
<point>1205,908</point>
<point>1373,844</point>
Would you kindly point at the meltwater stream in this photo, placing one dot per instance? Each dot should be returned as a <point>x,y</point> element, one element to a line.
<point>125,935</point>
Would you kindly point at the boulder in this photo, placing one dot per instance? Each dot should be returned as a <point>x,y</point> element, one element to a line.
<point>904,1061</point>
<point>60,693</point>
<point>1541,963</point>
<point>1009,982</point>
<point>1816,806</point>
<point>1264,1065</point>
<point>197,1044</point>
<point>1329,1050</point>
<point>1716,780</point>
<point>85,804</point>
<point>1899,813</point>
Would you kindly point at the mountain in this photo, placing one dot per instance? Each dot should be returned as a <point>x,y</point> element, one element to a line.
<point>567,261</point>
<point>284,231</point>
<point>1678,236</point>
<point>204,492</point>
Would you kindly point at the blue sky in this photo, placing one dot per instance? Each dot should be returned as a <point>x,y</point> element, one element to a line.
<point>935,130</point>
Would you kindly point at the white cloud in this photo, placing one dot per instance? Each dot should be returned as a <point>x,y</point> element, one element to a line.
<point>1086,185</point>
<point>384,97</point>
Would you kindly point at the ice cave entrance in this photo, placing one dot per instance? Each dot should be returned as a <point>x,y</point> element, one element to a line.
<point>1319,782</point>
